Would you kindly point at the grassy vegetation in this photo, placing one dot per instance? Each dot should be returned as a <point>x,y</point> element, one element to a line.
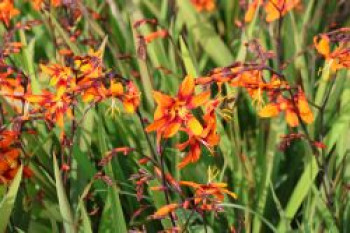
<point>85,172</point>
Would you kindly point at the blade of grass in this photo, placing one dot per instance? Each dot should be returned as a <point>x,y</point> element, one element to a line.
<point>205,34</point>
<point>65,209</point>
<point>301,189</point>
<point>8,201</point>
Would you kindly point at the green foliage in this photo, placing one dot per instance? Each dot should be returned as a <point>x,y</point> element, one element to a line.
<point>278,191</point>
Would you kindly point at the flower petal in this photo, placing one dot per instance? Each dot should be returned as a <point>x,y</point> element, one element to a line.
<point>187,86</point>
<point>156,125</point>
<point>162,100</point>
<point>172,129</point>
<point>195,126</point>
<point>200,99</point>
<point>322,46</point>
<point>270,110</point>
<point>185,161</point>
<point>292,118</point>
<point>165,210</point>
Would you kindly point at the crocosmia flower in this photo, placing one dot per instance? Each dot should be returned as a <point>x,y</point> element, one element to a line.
<point>7,11</point>
<point>174,112</point>
<point>274,9</point>
<point>204,5</point>
<point>292,108</point>
<point>338,58</point>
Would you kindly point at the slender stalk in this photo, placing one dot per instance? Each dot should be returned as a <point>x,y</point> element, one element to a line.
<point>279,45</point>
<point>153,150</point>
<point>156,155</point>
<point>166,190</point>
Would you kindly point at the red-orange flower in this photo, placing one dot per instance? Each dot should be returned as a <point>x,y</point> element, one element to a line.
<point>55,107</point>
<point>253,82</point>
<point>10,85</point>
<point>60,76</point>
<point>208,196</point>
<point>131,99</point>
<point>173,112</point>
<point>165,210</point>
<point>204,5</point>
<point>293,108</point>
<point>209,137</point>
<point>274,8</point>
<point>339,58</point>
<point>155,35</point>
<point>9,156</point>
<point>7,11</point>
<point>37,4</point>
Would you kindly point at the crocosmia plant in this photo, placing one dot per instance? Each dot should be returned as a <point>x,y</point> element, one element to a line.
<point>135,116</point>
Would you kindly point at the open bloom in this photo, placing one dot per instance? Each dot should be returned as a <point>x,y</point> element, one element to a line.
<point>174,112</point>
<point>7,11</point>
<point>274,8</point>
<point>208,196</point>
<point>253,82</point>
<point>204,5</point>
<point>60,76</point>
<point>10,85</point>
<point>339,58</point>
<point>297,106</point>
<point>209,137</point>
<point>55,107</point>
<point>131,99</point>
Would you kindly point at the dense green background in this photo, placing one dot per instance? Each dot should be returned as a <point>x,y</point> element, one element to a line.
<point>277,191</point>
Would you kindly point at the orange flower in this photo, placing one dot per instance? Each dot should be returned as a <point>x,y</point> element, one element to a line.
<point>54,107</point>
<point>7,11</point>
<point>292,109</point>
<point>204,5</point>
<point>155,35</point>
<point>165,210</point>
<point>131,99</point>
<point>253,82</point>
<point>11,87</point>
<point>173,112</point>
<point>9,156</point>
<point>209,137</point>
<point>339,58</point>
<point>37,4</point>
<point>97,91</point>
<point>60,76</point>
<point>274,9</point>
<point>89,67</point>
<point>207,196</point>
<point>278,8</point>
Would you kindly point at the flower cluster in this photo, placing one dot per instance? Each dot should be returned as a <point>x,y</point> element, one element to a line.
<point>86,79</point>
<point>10,153</point>
<point>339,57</point>
<point>274,9</point>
